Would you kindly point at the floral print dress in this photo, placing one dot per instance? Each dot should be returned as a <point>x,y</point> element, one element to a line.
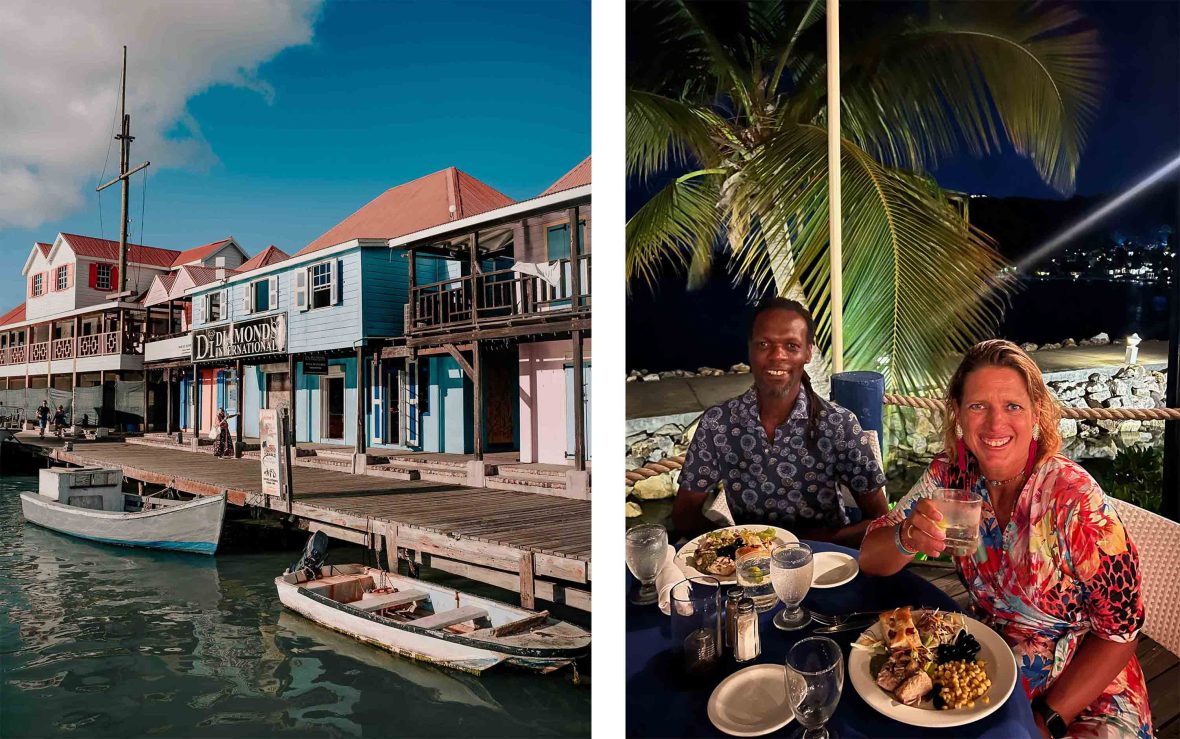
<point>1062,568</point>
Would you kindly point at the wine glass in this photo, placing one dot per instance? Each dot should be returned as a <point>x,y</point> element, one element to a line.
<point>815,679</point>
<point>790,573</point>
<point>647,547</point>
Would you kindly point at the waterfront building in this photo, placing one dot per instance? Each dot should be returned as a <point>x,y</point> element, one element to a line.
<point>71,344</point>
<point>439,317</point>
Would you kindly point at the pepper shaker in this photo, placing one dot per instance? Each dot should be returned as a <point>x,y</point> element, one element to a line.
<point>732,597</point>
<point>748,645</point>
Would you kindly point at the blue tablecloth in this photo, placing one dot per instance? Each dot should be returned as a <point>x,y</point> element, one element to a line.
<point>663,701</point>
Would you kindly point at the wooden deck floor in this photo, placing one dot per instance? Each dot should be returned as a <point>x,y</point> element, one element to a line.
<point>1160,667</point>
<point>533,544</point>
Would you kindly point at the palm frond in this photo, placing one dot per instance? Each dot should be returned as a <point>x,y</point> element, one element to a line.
<point>920,283</point>
<point>679,225</point>
<point>1028,78</point>
<point>661,130</point>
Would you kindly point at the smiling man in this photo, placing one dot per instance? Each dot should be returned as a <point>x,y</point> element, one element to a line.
<point>780,450</point>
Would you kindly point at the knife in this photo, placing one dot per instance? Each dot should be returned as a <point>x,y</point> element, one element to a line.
<point>851,622</point>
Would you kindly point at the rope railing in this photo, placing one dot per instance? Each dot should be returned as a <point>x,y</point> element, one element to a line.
<point>667,464</point>
<point>1080,414</point>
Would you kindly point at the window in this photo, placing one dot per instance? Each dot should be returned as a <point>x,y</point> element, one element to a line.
<point>39,284</point>
<point>213,308</point>
<point>102,278</point>
<point>321,285</point>
<point>63,277</point>
<point>259,296</point>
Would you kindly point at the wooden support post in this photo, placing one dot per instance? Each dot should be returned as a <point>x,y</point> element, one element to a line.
<point>168,393</point>
<point>291,397</point>
<point>579,404</point>
<point>239,404</point>
<point>391,548</point>
<point>477,380</point>
<point>362,399</point>
<point>527,585</point>
<point>472,269</point>
<point>575,253</point>
<point>146,405</point>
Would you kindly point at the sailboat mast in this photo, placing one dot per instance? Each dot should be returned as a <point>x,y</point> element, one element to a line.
<point>124,138</point>
<point>124,160</point>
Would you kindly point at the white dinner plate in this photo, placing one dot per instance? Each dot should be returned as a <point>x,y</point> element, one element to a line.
<point>832,569</point>
<point>1001,668</point>
<point>684,556</point>
<point>752,701</point>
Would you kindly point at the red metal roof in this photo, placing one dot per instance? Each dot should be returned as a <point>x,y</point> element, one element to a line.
<point>270,255</point>
<point>576,177</point>
<point>88,246</point>
<point>414,206</point>
<point>44,248</point>
<point>198,253</point>
<point>16,315</point>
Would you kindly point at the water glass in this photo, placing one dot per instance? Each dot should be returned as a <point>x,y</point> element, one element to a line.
<point>647,547</point>
<point>791,572</point>
<point>960,511</point>
<point>753,575</point>
<point>695,605</point>
<point>815,679</point>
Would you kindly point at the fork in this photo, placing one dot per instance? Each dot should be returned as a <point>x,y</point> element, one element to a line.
<point>826,620</point>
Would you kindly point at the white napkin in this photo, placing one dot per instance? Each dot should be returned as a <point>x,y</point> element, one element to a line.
<point>670,574</point>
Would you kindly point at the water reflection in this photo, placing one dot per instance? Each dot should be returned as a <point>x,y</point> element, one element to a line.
<point>102,641</point>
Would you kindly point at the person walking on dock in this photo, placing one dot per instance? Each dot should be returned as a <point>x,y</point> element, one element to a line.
<point>43,416</point>
<point>59,420</point>
<point>223,447</point>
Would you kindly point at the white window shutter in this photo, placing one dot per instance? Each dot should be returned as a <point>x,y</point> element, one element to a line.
<point>247,298</point>
<point>337,281</point>
<point>225,303</point>
<point>273,292</point>
<point>199,310</point>
<point>301,276</point>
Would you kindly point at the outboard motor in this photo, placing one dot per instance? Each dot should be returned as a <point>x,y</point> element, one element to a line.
<point>314,554</point>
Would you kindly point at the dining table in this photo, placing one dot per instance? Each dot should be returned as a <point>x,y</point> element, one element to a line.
<point>663,701</point>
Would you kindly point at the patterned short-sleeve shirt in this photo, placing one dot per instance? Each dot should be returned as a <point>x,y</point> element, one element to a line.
<point>790,480</point>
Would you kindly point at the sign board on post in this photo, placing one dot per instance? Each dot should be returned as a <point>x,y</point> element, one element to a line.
<point>271,452</point>
<point>314,364</point>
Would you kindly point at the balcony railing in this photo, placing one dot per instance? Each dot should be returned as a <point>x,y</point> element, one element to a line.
<point>502,296</point>
<point>94,345</point>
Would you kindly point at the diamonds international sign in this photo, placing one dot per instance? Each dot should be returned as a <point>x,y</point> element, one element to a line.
<point>267,335</point>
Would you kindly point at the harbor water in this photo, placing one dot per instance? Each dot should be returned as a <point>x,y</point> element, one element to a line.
<point>101,641</point>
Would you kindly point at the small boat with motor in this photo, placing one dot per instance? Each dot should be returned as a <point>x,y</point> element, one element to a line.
<point>89,503</point>
<point>425,621</point>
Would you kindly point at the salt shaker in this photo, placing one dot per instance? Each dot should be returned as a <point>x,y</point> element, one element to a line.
<point>747,646</point>
<point>732,596</point>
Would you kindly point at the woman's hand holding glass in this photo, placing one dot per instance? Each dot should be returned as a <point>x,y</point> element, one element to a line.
<point>921,530</point>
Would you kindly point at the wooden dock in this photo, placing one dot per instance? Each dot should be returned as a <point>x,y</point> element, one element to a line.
<point>536,545</point>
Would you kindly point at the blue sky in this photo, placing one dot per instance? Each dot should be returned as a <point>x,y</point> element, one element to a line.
<point>294,135</point>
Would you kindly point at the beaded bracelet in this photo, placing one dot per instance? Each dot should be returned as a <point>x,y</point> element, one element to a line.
<point>897,540</point>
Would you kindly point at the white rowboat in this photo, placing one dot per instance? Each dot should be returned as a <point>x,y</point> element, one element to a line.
<point>90,503</point>
<point>429,622</point>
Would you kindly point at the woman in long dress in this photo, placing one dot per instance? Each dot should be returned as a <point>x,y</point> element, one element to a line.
<point>223,446</point>
<point>1054,572</point>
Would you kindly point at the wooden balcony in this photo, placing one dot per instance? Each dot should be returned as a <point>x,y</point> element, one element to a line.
<point>56,350</point>
<point>501,298</point>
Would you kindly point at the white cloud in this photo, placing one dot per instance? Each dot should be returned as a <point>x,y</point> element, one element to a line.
<point>59,77</point>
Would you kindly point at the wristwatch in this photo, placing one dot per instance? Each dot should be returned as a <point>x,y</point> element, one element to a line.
<point>1053,722</point>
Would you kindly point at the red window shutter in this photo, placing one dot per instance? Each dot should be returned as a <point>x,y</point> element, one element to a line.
<point>114,278</point>
<point>31,294</point>
<point>93,275</point>
<point>70,275</point>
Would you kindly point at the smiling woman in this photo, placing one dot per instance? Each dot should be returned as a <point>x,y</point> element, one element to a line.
<point>1055,572</point>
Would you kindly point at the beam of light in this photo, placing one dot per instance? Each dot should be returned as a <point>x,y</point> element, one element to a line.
<point>1106,209</point>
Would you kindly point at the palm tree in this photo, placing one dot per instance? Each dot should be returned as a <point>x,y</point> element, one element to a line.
<point>732,98</point>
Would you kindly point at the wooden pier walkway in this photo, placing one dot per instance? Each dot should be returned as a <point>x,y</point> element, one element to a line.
<point>533,544</point>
